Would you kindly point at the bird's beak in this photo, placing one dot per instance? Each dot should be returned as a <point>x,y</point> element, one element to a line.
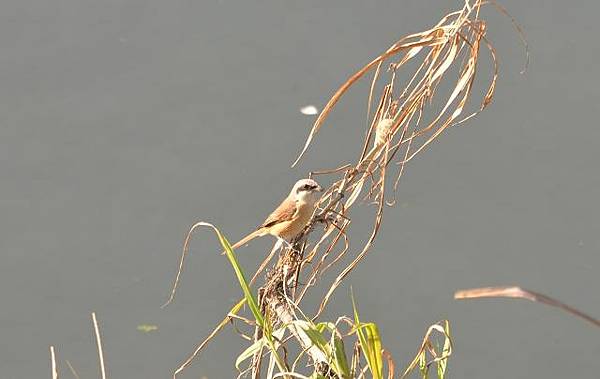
<point>319,188</point>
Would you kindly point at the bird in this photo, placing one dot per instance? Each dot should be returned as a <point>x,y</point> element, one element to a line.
<point>285,223</point>
<point>291,216</point>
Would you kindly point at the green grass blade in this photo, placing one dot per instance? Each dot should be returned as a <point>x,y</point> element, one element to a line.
<point>446,351</point>
<point>423,365</point>
<point>249,352</point>
<point>374,342</point>
<point>370,342</point>
<point>334,351</point>
<point>339,356</point>
<point>322,326</point>
<point>315,337</point>
<point>250,299</point>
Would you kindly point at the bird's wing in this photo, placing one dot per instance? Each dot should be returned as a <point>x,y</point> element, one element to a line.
<point>284,212</point>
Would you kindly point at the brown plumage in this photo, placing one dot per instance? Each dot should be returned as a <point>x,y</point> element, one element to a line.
<point>291,216</point>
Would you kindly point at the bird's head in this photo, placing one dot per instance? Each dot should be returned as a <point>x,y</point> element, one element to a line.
<point>306,191</point>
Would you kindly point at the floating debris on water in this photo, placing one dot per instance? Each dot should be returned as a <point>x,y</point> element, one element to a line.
<point>309,110</point>
<point>147,328</point>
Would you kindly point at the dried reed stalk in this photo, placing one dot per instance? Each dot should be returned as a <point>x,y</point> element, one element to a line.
<point>520,293</point>
<point>72,369</point>
<point>99,345</point>
<point>401,123</point>
<point>53,363</point>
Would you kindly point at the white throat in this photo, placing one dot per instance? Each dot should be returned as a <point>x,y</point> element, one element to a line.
<point>307,197</point>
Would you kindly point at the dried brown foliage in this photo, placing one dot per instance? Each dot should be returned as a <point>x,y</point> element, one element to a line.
<point>102,367</point>
<point>409,113</point>
<point>401,122</point>
<point>520,293</point>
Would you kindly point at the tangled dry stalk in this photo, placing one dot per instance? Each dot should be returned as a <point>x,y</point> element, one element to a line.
<point>410,112</point>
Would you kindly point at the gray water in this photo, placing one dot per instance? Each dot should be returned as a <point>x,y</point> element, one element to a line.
<point>123,122</point>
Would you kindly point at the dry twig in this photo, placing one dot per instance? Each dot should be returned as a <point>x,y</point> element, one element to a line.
<point>520,293</point>
<point>99,345</point>
<point>53,363</point>
<point>410,113</point>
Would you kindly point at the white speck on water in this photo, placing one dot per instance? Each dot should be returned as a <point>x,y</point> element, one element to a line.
<point>309,110</point>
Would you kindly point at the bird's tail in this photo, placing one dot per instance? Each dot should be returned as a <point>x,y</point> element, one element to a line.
<point>257,233</point>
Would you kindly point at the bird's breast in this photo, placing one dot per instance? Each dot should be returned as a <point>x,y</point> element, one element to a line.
<point>290,229</point>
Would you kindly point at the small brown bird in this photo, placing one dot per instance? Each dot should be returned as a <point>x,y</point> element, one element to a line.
<point>285,223</point>
<point>291,216</point>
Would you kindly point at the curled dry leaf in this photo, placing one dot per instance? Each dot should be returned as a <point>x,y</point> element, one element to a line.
<point>520,293</point>
<point>427,87</point>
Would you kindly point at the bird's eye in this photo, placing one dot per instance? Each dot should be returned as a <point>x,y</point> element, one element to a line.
<point>306,187</point>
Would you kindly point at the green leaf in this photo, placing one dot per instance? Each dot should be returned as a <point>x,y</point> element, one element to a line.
<point>374,358</point>
<point>446,351</point>
<point>339,356</point>
<point>423,365</point>
<point>250,299</point>
<point>147,328</point>
<point>249,352</point>
<point>370,342</point>
<point>256,346</point>
<point>315,336</point>
<point>336,356</point>
<point>322,326</point>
